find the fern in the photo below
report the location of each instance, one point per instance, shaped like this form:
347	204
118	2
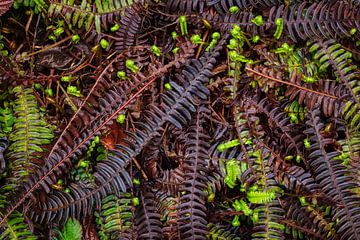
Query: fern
300	21
192	209
332	54
308	221
5	5
15	226
72	231
114	219
218	232
148	219
339	188
30	133
106	13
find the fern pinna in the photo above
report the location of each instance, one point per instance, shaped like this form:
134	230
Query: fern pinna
179	119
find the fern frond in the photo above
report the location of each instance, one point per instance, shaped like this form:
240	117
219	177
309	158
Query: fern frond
325	167
16	228
5	5
319	20
297	180
306	220
148	219
330	53
30	133
186	6
270	213
72	230
130	24
114	219
168	206
192	209
218	232
106	12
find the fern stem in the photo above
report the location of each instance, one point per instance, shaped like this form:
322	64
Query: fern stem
289	83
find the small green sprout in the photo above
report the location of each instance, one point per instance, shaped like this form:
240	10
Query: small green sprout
235	57
72	90
37	86
67	190
60	182
215	37
104	44
84	164
52	37
57	32
174	35
155	50
49	92
4	53
121	75
121	118
115	27
183	25
230	144
175	50
279	28
136	181
293	118
255	39
66	78
233	44
196	39
168	86
285	48
211	197
241	205
307	143
75	38
234	9
353	31
303	201
235	222
135	201
307	79
233	170
236	32
258	20
255	216
130	64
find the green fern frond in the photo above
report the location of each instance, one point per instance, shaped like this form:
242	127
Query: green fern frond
37	5
80	15
115	216
29	133
216	232
72	230
14	227
261	197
